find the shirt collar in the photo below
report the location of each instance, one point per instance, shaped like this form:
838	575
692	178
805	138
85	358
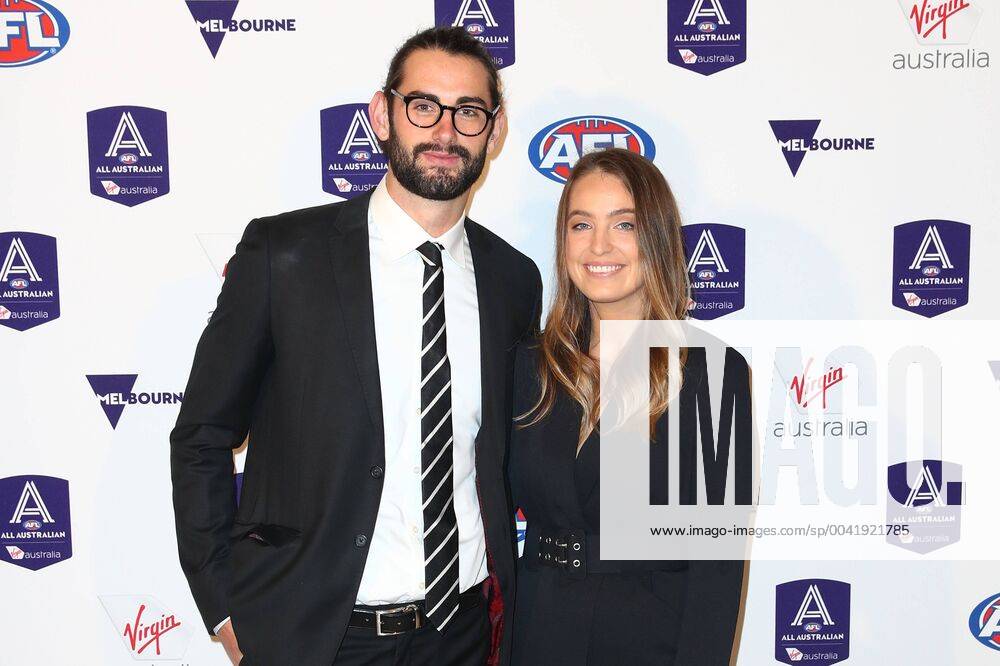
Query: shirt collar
400	234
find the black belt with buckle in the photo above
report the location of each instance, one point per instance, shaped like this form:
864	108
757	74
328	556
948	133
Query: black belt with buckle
579	553
407	617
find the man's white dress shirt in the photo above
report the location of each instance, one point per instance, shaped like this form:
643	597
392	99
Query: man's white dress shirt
394	570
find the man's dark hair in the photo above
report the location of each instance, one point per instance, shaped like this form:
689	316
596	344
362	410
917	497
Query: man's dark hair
452	40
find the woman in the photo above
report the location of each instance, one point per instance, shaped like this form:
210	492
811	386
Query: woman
619	256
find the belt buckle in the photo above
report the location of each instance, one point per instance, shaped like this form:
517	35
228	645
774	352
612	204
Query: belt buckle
565	560
391	611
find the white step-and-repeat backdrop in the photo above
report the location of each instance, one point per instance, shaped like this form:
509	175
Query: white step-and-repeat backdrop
815	146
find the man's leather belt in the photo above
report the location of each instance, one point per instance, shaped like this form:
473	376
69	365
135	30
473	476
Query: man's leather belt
578	553
406	617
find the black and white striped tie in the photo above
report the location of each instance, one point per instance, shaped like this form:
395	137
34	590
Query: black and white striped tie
437	461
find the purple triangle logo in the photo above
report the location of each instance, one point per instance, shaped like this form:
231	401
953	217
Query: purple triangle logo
794	137
113	392
212	17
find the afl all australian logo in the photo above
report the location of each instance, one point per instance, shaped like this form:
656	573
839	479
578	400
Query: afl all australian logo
556	148
930	266
29	280
30	32
128	154
34	521
707	36
489	21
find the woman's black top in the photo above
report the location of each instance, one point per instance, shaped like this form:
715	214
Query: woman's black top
571	609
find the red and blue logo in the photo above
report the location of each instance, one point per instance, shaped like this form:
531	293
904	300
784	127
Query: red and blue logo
984	622
521	525
556	148
30	31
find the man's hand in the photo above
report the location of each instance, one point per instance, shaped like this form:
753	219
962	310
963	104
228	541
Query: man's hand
228	638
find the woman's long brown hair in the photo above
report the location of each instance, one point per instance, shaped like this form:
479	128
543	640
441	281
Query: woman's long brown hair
564	359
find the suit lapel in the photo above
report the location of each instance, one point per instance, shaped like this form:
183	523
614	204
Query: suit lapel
352	275
489	298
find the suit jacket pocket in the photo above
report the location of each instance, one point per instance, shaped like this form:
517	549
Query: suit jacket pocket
266	534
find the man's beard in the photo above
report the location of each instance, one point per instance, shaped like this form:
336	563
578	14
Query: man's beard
434	183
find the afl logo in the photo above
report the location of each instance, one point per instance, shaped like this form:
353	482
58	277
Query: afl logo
521	524
984	622
31	525
931	271
475	29
30	31
128	158
556	148
706	274
19	283
707	26
361	156
812	627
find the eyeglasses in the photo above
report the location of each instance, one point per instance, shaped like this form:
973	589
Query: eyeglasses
468	119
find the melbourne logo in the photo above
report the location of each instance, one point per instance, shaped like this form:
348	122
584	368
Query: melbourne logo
930	266
984	622
555	149
942	22
215	21
716	256
798	137
812	621
115	393
147	628
706	36
926	502
128	154
29	280
34	521
489	21
353	161
30	31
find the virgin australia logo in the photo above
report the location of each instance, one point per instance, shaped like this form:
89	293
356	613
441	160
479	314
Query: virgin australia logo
937	23
930	20
146	627
806	387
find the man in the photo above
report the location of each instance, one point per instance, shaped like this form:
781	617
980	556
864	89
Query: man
367	348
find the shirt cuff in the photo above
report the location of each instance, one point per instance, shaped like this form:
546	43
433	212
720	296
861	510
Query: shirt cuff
219	626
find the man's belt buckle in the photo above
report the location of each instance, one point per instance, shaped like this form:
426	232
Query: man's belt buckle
394	611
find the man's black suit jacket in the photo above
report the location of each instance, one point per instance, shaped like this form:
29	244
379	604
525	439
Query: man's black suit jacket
289	357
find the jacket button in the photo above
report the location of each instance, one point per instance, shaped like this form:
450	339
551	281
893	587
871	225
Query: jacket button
360	540
376	472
